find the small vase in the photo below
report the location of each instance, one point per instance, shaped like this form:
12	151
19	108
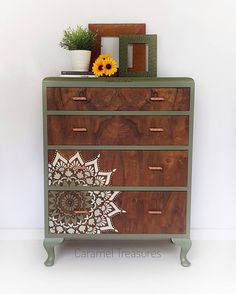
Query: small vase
80	59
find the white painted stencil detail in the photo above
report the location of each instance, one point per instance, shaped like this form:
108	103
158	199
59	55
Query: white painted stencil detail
80	212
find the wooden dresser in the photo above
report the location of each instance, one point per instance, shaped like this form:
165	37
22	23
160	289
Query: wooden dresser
117	160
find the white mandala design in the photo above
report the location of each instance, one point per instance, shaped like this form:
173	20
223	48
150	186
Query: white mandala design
80	212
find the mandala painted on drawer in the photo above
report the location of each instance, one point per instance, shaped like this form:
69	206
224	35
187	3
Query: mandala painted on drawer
80	212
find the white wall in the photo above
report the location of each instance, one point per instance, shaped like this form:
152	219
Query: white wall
196	38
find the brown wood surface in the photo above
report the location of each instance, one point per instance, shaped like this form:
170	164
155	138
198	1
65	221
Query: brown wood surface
118	130
119	99
115	30
132	167
137	220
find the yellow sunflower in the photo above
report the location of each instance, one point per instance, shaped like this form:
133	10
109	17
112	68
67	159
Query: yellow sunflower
98	67
110	66
104	56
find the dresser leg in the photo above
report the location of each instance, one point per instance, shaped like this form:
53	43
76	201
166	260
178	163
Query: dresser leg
49	244
185	245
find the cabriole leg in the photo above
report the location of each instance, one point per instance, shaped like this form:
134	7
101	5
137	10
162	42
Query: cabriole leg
185	245
49	244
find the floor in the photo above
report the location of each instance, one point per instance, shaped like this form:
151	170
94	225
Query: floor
117	267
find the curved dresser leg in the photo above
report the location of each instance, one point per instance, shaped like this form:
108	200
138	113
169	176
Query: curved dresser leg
49	244
185	245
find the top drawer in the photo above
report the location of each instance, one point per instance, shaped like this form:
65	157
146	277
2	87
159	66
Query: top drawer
177	99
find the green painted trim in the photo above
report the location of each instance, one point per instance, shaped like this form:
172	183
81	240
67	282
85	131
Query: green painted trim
117	188
190	153
118	82
118	113
116	147
117	236
45	155
151	41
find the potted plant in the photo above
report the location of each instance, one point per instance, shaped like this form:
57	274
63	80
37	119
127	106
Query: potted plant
80	41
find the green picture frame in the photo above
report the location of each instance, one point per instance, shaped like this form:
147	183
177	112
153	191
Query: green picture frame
151	41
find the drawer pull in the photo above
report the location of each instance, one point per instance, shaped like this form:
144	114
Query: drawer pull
81	98
156	130
79	130
157	99
157	168
80	211
154	212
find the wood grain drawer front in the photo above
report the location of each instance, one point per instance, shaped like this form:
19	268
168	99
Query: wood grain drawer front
152	213
118	168
118	99
118	130
90	212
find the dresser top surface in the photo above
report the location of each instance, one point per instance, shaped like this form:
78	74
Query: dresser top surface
118	82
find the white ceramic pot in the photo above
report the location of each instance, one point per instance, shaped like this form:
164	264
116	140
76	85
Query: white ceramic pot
80	59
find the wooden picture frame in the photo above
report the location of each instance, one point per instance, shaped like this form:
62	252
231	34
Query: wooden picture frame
151	41
116	30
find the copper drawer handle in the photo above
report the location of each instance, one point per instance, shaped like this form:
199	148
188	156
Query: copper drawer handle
80	98
156	130
154	212
157	99
79	130
156	168
80	211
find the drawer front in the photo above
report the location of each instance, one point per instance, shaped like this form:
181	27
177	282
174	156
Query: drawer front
152	213
118	168
76	212
118	99
118	130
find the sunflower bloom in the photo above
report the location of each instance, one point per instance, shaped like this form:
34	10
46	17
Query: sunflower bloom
110	66
104	56
98	67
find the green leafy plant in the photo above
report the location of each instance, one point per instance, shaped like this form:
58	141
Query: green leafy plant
78	39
